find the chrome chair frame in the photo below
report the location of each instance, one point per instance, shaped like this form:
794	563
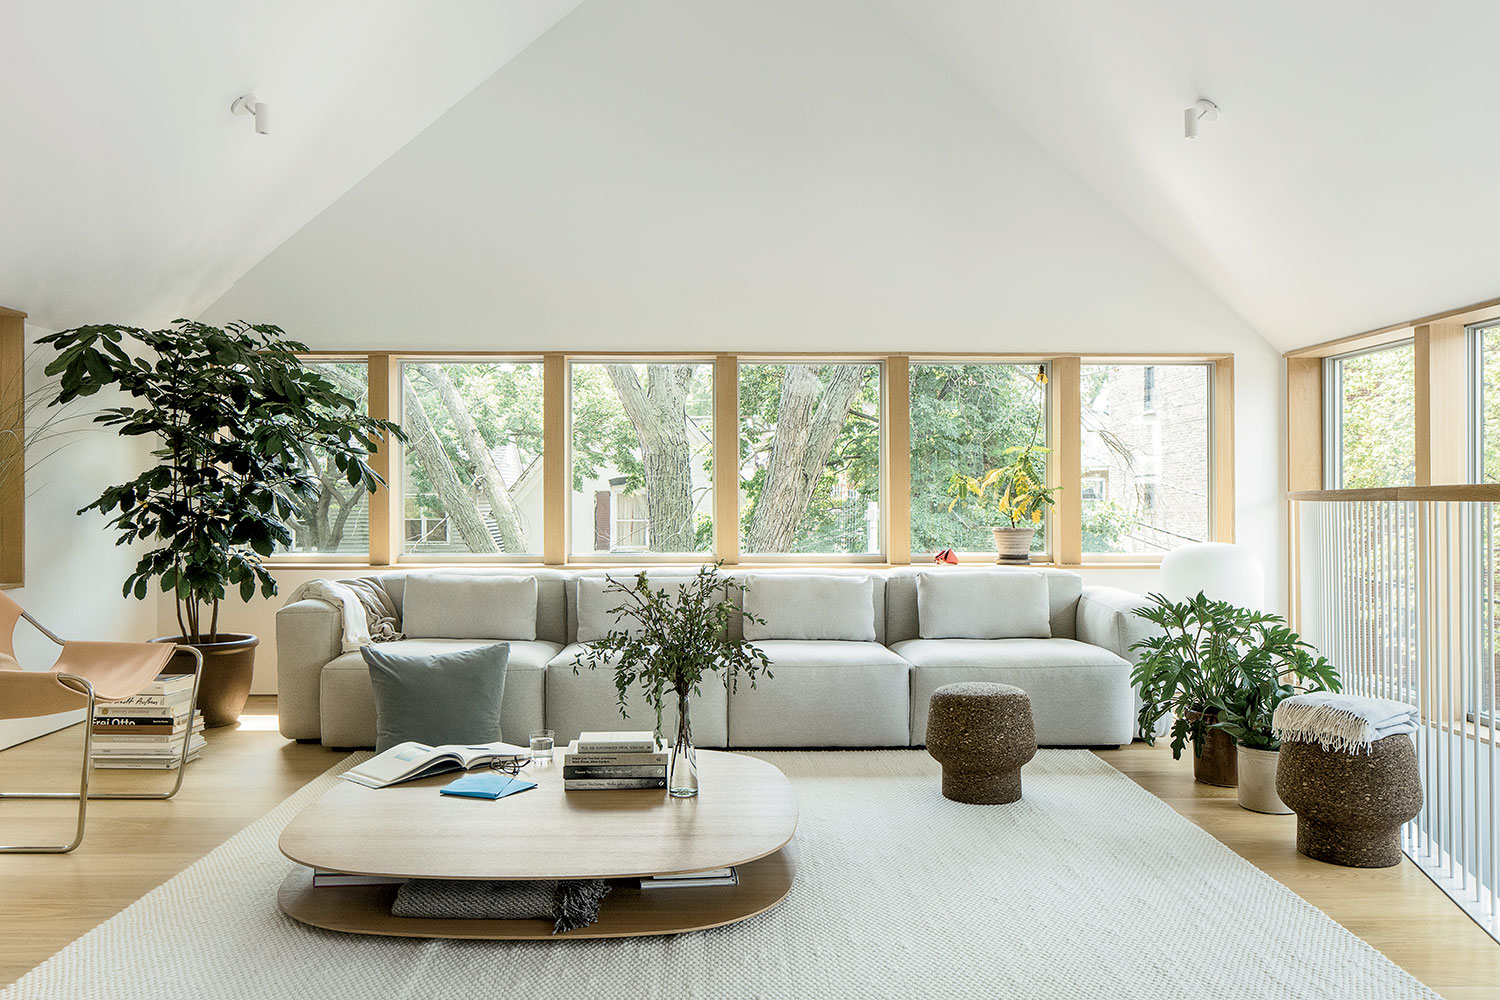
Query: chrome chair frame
85	690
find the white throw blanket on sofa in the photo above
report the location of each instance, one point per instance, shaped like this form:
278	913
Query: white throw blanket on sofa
357	606
1341	721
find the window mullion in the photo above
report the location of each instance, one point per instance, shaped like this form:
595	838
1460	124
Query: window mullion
896	462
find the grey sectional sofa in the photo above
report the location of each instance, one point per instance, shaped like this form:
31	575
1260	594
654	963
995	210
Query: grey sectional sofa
826	692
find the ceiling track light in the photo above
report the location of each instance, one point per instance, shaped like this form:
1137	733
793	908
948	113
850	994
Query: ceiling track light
252	105
1203	111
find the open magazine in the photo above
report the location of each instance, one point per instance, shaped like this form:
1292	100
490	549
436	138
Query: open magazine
410	761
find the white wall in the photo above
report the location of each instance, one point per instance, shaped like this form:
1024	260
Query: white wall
74	570
776	176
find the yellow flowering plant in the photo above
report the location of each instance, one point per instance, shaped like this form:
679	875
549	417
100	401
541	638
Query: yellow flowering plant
1017	491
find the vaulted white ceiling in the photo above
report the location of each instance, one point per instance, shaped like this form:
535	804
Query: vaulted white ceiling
129	193
1348	184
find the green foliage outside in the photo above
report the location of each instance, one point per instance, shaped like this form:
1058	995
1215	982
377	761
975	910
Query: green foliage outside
963	418
505	403
843	487
1490	403
1378	408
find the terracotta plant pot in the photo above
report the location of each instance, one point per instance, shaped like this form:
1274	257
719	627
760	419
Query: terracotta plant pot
1013	545
1218	765
1257	788
228	666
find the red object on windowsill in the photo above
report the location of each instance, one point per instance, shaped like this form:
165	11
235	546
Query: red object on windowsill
946	556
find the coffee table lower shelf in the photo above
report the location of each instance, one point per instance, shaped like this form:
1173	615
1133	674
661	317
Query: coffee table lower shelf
626	911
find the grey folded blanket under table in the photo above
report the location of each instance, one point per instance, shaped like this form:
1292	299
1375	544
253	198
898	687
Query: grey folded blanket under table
568	903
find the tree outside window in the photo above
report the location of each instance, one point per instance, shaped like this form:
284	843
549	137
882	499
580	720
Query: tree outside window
963	418
809	458
339	522
1376	419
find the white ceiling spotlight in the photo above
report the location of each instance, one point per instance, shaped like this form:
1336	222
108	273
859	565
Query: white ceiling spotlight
1203	111
252	105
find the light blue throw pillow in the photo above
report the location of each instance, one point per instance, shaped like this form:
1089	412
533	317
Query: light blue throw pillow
437	698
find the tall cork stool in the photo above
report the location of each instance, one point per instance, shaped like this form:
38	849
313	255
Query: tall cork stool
1351	806
981	733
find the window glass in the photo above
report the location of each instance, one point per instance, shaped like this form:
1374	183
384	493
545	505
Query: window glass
473	471
964	417
642	457
338	521
1374	433
1145	457
1489	404
810	458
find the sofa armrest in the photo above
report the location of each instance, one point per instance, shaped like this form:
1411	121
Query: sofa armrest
1107	619
309	634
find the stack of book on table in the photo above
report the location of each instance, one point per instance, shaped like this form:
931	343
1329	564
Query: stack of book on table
693	880
605	761
146	730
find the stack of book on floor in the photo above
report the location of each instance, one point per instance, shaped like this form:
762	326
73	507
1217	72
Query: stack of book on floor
146	730
693	880
605	761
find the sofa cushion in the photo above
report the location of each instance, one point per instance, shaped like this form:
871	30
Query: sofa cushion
810	607
437	698
347	700
1080	694
902	619
453	606
983	605
826	693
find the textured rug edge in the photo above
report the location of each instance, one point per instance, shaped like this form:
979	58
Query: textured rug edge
298	800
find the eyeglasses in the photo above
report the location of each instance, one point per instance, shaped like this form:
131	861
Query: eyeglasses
511	765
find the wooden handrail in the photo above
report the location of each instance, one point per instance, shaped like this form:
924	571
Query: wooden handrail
1473	493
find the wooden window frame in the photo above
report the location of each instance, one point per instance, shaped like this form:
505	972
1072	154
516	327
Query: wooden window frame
13	446
1064	435
1441	356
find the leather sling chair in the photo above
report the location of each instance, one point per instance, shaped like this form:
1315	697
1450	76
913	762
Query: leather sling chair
85	673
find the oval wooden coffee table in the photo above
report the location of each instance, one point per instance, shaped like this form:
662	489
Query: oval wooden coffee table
744	817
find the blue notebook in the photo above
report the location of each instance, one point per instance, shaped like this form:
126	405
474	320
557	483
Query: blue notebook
487	785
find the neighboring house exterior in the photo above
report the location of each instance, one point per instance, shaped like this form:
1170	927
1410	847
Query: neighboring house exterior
1145	448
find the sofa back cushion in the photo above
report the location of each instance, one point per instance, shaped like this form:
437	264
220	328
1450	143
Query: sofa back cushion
551	598
902	621
797	606
452	606
983	605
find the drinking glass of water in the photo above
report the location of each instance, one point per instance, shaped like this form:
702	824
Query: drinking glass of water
541	744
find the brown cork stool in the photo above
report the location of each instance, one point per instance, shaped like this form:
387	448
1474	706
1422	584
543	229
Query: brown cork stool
981	733
1351	806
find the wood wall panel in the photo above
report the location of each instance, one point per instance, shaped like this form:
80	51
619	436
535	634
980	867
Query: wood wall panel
12	448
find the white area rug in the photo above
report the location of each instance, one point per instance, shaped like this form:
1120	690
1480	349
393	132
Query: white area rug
1089	887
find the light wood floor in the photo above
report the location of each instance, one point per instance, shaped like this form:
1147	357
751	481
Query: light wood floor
131	847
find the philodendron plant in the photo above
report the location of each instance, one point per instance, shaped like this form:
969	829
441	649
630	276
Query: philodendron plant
1214	665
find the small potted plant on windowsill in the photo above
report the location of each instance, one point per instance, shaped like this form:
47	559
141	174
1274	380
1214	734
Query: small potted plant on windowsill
1015	494
1220	671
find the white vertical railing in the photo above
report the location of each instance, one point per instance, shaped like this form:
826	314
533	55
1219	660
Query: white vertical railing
1400	595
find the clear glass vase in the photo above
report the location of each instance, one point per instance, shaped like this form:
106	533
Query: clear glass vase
682	775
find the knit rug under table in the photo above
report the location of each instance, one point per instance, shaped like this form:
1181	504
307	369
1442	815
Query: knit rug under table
1088	887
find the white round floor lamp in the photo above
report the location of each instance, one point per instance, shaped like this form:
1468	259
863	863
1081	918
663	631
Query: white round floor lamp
1222	571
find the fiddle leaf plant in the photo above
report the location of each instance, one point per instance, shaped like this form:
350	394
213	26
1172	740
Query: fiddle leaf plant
1213	665
671	638
231	410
